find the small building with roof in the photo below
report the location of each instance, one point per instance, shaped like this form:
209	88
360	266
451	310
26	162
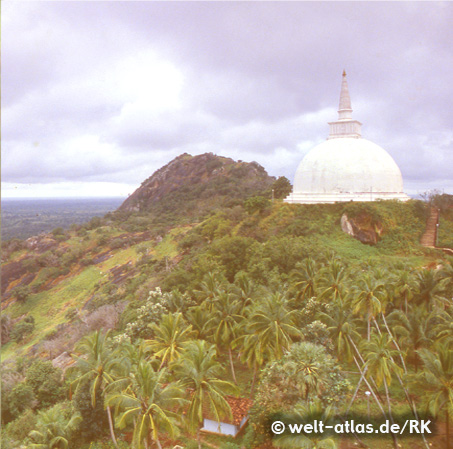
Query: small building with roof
228	426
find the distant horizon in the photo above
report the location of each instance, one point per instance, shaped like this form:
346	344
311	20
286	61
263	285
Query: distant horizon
65	198
62	198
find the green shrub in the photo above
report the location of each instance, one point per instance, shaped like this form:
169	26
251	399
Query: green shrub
58	231
177	279
117	243
19	429
20	330
256	204
45	380
21	398
94	223
22	292
233	253
31	264
191	240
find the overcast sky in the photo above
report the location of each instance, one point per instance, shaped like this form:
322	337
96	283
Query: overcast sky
96	96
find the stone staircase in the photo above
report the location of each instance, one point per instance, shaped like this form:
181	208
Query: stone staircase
429	237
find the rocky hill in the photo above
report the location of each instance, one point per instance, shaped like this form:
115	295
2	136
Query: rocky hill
194	184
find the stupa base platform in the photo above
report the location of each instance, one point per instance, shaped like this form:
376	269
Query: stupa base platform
330	198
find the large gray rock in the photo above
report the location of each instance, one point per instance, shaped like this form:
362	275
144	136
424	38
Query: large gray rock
361	229
63	361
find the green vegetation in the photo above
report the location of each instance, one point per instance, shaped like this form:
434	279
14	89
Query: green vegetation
157	318
445	235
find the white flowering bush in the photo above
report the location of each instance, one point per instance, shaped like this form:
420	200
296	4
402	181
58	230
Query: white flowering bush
155	306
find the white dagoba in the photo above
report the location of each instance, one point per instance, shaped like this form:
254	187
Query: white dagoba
346	167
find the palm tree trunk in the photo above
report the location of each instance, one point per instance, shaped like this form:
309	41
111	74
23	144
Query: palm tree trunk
363	361
447	425
356	390
198	438
112	433
371	389
411	403
361	443
232	365
412	406
162	364
395	442
394	341
255	372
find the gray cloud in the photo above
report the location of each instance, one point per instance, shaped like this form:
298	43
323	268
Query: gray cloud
110	91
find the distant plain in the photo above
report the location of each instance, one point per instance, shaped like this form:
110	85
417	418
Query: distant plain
23	218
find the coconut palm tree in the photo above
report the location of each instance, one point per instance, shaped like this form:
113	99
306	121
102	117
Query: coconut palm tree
98	362
244	289
332	280
147	401
435	381
404	285
342	326
202	322
379	356
170	336
305	278
201	375
226	316
431	286
446	272
443	329
274	325
251	353
368	296
414	330
213	283
132	353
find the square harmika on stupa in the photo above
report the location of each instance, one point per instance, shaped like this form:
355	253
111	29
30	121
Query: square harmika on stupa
346	167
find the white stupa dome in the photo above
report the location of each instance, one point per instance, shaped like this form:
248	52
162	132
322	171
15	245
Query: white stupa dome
346	167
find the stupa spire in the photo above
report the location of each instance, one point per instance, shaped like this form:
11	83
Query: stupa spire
345	126
345	109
